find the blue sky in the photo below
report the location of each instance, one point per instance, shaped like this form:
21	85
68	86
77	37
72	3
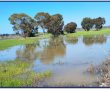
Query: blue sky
71	11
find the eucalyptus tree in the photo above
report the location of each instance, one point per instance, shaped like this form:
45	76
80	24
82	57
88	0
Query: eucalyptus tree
55	25
99	22
70	27
42	19
87	23
24	24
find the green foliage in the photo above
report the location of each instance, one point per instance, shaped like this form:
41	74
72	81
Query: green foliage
42	20
55	25
99	22
52	23
23	24
70	27
87	23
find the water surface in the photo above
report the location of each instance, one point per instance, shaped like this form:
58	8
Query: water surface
67	58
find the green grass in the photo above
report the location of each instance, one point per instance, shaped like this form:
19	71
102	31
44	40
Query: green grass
104	31
19	74
11	74
45	74
4	44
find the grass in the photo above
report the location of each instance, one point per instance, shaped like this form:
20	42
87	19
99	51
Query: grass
44	74
11	74
104	31
19	74
4	44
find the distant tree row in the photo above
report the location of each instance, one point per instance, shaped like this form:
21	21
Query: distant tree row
28	27
88	23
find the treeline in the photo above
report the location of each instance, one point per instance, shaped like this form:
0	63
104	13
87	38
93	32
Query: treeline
27	26
88	23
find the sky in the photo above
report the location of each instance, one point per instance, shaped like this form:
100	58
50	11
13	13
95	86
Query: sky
71	11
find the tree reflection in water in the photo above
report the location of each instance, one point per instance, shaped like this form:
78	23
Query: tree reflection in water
55	48
94	39
72	40
28	52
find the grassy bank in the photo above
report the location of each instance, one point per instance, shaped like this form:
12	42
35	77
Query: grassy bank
104	31
19	74
4	44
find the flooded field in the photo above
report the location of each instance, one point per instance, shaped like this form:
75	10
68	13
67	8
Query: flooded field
67	58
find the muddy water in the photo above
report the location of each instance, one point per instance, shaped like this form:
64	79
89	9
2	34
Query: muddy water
67	58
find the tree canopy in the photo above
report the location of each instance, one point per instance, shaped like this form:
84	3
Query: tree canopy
99	22
87	23
56	24
23	24
42	19
70	27
27	26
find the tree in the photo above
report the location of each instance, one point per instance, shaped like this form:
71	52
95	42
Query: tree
99	22
70	27
23	24
55	24
52	23
42	19
87	23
